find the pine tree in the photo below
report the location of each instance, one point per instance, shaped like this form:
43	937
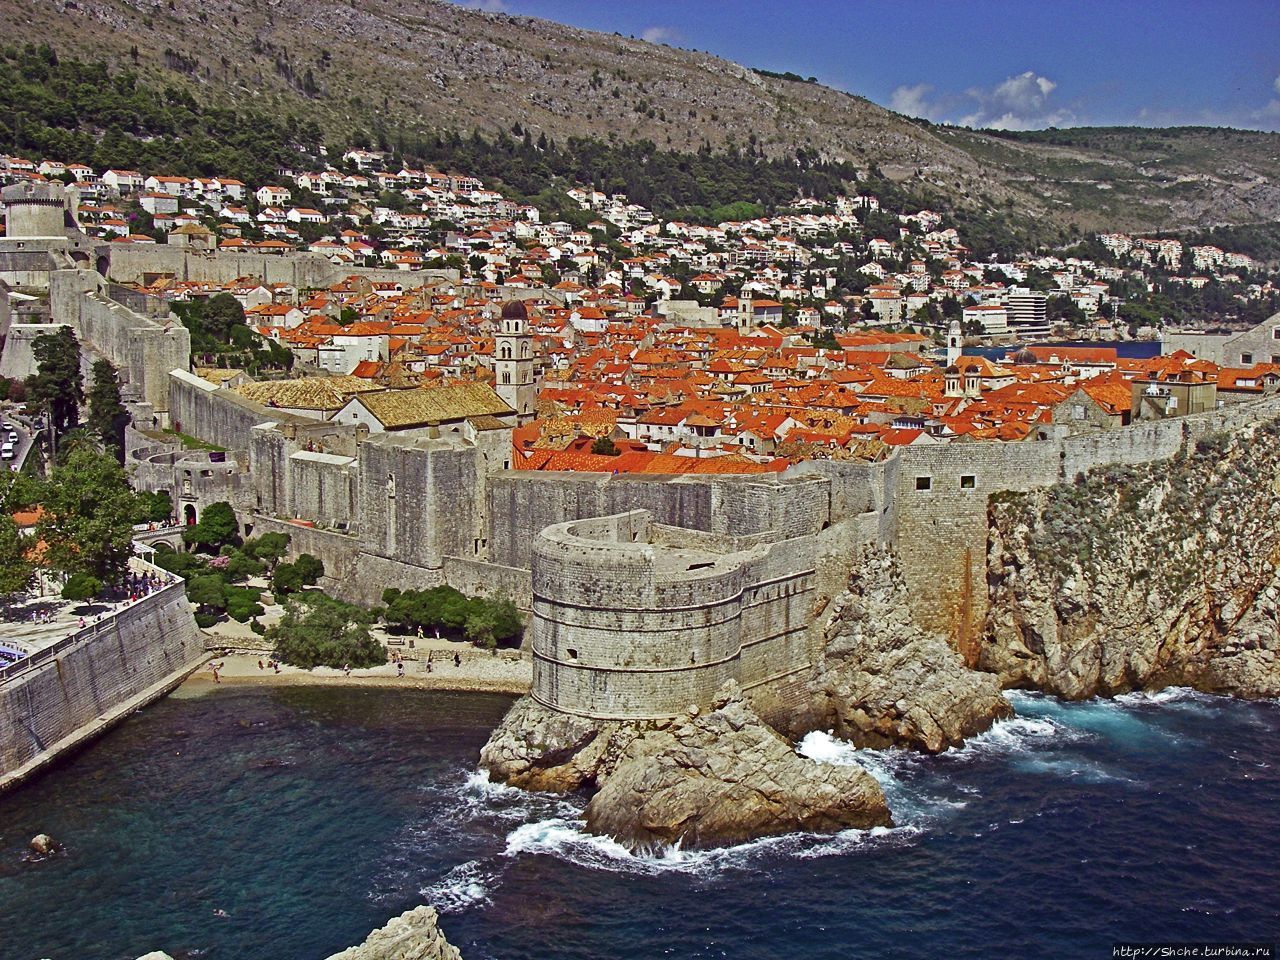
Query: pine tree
58	385
107	415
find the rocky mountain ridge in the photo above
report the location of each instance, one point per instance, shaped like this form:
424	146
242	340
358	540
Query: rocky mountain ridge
429	64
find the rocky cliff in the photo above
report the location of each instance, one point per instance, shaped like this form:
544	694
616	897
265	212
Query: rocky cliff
710	777
411	936
1142	577
883	682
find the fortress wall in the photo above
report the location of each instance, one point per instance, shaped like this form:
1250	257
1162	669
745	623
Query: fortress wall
321	490
477	578
142	348
373	574
119	665
18	360
791	508
217	416
941	532
420	499
524	502
337	551
132	263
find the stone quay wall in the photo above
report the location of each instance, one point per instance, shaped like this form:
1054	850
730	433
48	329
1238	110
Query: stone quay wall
105	671
632	620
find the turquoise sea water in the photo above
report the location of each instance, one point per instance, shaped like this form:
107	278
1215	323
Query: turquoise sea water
310	815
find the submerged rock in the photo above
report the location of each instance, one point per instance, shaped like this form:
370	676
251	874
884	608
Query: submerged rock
414	935
43	845
883	682
723	777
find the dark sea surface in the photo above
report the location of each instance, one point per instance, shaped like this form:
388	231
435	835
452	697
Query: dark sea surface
311	815
1128	349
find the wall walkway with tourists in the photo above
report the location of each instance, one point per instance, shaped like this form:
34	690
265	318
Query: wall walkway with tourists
75	688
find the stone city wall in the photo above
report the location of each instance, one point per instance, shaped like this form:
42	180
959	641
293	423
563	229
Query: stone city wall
136	263
218	416
18	361
942	494
421	500
143	348
477	578
115	667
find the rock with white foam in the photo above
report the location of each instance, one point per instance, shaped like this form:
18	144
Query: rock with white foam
724	777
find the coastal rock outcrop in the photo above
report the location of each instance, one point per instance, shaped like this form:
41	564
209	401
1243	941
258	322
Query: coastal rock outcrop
711	777
414	935
724	776
883	682
1135	578
536	748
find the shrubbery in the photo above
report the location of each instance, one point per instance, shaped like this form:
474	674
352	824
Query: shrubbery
482	620
318	631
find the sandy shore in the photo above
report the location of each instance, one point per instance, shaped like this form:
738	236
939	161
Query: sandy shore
478	673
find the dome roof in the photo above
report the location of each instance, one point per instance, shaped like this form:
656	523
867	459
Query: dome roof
515	310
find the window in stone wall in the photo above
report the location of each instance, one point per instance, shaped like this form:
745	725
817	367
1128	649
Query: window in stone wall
924	483
1246	358
968	481
573	654
1275	333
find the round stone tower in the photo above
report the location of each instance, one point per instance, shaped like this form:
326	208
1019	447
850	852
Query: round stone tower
34	210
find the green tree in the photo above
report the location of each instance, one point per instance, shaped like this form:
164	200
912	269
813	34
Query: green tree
16	569
269	548
604	447
318	631
81	586
154	506
490	621
209	592
107	417
88	515
57	386
286	579
217	526
309	568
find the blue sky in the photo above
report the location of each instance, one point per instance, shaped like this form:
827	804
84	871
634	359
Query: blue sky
996	63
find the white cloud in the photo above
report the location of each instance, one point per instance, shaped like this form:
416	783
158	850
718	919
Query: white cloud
661	34
1277	84
1019	102
910	100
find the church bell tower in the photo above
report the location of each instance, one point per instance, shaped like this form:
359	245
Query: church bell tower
516	370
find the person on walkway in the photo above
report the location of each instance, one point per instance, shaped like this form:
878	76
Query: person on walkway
399	668
215	667
457	660
346	669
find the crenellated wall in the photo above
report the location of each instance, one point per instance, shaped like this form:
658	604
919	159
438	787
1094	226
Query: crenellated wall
143	348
